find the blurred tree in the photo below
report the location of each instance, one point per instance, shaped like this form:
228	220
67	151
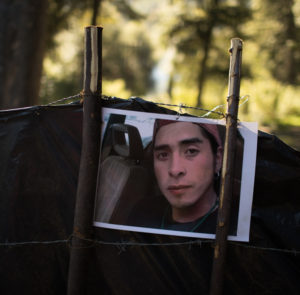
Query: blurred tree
27	30
96	11
127	60
137	36
281	41
197	36
59	13
22	44
127	52
130	62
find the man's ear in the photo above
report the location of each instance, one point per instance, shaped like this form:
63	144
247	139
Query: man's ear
218	159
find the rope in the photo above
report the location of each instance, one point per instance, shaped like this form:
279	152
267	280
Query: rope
30	243
64	99
124	244
243	100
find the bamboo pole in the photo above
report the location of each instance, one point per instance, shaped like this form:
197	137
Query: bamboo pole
83	219
220	249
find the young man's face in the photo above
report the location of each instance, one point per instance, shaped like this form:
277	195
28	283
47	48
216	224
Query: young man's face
184	164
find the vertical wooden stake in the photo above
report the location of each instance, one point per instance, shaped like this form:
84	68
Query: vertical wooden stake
217	277
83	219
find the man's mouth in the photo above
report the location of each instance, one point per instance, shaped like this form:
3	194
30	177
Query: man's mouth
178	189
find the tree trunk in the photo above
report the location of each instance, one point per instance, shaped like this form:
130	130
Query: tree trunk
96	11
213	4
22	36
291	39
203	65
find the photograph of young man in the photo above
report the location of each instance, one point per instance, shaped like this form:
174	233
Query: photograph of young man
164	178
187	159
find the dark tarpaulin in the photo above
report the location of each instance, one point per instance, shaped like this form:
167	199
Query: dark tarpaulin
39	163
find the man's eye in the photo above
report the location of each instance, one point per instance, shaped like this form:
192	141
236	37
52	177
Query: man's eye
162	156
192	152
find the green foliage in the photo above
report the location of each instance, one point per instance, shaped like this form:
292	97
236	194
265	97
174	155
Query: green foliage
57	88
127	58
277	34
271	103
59	14
187	42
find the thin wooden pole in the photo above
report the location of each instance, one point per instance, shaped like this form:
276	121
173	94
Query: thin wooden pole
217	277
83	219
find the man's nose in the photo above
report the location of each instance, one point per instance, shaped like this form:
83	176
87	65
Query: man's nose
176	167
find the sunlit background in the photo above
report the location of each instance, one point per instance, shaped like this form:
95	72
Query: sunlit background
176	51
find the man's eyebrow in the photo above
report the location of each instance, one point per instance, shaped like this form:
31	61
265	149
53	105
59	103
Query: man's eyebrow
161	147
186	141
191	140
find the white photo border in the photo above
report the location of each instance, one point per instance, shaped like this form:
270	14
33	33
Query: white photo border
248	131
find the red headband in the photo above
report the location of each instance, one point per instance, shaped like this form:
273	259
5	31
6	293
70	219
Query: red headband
210	128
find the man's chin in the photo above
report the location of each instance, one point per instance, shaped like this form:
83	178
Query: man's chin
182	205
181	201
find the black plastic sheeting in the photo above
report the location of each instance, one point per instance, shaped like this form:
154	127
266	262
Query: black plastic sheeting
39	162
